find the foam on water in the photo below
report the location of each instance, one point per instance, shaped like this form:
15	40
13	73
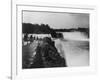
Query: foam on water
75	36
75	46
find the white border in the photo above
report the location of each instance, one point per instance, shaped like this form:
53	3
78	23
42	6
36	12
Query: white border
18	73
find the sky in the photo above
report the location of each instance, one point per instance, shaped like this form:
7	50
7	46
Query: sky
57	20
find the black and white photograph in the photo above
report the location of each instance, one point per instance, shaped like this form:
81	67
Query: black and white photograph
55	39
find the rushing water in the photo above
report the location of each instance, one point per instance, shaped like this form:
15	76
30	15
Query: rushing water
74	48
75	36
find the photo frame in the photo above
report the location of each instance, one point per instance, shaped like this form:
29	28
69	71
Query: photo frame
18	10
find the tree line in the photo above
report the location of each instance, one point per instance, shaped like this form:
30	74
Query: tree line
29	28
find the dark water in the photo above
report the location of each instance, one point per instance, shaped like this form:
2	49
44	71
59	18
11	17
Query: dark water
41	54
74	48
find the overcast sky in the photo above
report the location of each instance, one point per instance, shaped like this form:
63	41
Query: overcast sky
57	20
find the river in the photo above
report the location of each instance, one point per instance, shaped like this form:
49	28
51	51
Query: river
74	48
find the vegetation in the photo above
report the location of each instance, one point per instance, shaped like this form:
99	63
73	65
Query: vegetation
29	28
